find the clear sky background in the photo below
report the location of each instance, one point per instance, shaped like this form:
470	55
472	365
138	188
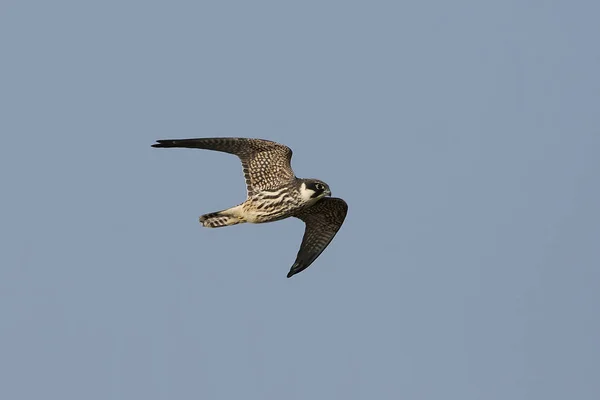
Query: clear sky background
464	135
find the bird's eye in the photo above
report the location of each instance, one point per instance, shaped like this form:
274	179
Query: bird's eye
320	186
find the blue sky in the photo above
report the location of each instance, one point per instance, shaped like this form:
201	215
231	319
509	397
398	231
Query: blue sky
463	135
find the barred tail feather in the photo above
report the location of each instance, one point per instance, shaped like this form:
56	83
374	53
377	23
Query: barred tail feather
218	219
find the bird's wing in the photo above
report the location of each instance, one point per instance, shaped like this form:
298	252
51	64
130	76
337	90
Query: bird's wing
322	220
266	164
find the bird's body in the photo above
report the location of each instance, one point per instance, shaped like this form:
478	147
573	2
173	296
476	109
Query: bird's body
265	206
274	193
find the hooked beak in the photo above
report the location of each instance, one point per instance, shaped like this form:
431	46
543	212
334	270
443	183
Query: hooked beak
328	192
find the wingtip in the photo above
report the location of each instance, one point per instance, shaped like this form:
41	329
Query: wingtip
160	143
294	270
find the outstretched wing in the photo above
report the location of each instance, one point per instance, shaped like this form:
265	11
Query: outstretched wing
322	220
266	164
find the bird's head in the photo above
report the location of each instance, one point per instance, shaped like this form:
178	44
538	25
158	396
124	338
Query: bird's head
314	189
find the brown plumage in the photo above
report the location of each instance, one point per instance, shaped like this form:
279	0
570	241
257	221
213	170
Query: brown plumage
274	193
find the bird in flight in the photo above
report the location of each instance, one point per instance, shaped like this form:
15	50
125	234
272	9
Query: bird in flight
274	193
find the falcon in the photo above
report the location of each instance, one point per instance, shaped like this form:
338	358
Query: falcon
274	193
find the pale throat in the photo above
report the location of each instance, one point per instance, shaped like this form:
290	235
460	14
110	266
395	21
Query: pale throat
305	194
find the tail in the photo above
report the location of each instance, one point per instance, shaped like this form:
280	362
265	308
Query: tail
218	219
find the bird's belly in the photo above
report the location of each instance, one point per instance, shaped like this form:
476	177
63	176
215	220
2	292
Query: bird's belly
268	210
258	216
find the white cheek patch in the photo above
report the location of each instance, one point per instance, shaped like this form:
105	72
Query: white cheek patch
306	193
